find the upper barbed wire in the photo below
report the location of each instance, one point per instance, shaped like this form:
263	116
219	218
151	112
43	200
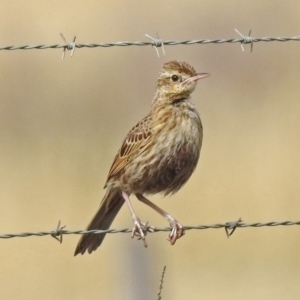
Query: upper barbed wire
244	40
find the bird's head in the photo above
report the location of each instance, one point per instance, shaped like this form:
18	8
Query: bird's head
177	79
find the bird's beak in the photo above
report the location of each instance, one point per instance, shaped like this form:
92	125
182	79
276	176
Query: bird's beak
195	78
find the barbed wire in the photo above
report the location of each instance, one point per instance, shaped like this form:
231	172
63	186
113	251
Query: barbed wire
154	42
60	231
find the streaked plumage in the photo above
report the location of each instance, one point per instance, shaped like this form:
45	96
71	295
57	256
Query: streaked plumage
158	155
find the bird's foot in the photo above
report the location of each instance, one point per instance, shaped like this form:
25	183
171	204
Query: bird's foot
177	231
140	230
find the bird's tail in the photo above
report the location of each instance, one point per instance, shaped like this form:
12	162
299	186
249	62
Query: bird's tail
110	206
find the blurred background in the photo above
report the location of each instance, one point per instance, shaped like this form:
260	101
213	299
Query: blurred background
62	122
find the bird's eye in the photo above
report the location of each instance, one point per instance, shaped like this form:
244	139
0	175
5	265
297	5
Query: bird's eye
174	78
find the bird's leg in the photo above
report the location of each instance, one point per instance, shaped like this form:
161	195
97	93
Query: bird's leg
177	230
139	229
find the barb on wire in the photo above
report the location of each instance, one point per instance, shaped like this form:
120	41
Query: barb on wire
58	233
61	231
157	43
232	226
246	40
72	46
68	46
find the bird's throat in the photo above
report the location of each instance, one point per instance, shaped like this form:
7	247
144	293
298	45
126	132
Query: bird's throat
178	100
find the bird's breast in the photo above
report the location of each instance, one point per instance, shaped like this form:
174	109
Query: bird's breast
171	157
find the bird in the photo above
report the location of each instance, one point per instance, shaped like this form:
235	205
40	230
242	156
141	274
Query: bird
158	155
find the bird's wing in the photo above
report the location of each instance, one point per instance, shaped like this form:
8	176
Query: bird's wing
134	144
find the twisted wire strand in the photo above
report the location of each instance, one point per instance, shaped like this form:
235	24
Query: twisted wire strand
245	40
60	232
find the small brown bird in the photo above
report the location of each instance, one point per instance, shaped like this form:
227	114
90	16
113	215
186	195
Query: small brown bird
158	155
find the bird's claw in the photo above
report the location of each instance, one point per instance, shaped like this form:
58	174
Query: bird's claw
140	230
177	231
